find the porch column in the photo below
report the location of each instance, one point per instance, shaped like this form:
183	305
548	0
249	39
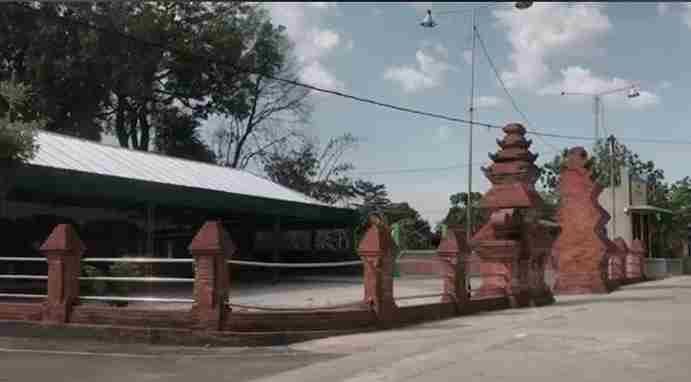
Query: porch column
276	250
313	242
150	228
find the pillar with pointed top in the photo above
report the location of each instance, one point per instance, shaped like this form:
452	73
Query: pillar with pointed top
211	249
63	250
451	252
376	251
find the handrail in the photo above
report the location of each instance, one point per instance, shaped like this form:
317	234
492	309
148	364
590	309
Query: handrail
20	295
137	299
24	277
139	279
134	260
420	296
296	265
37	259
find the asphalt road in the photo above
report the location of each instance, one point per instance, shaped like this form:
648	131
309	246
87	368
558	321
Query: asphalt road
639	333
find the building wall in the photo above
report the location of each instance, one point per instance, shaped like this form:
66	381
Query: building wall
623	194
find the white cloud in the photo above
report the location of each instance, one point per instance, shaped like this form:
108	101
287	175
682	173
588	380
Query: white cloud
443	133
467	56
313	42
488	102
662	8
686	16
665	85
326	39
428	72
316	74
545	32
580	80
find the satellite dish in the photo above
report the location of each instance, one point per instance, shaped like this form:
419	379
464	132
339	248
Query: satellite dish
428	22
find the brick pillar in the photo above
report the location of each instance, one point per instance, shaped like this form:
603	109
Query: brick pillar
619	264
211	248
635	262
451	252
63	249
375	249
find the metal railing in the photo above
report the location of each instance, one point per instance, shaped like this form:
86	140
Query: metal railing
660	268
23	277
138	279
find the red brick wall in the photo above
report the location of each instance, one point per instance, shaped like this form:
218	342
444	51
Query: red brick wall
426	312
130	317
21	311
427	265
282	321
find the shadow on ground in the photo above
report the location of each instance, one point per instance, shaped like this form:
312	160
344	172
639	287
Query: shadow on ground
588	301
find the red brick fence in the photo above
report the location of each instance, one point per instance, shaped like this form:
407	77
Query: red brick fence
212	311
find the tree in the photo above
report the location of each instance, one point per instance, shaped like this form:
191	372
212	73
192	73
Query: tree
457	214
177	136
317	172
18	129
269	104
416	232
93	80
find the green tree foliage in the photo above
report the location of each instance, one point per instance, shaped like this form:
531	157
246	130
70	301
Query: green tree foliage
457	214
18	125
89	81
178	136
671	230
314	171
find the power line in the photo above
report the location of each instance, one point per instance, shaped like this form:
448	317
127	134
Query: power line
256	72
412	170
371	101
506	90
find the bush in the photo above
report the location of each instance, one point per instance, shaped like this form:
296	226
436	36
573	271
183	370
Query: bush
120	288
18	127
94	288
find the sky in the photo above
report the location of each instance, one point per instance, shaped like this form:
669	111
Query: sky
379	50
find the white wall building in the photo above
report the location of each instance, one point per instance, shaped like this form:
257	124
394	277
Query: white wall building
632	217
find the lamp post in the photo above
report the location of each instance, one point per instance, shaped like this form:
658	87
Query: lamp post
429	22
598	105
598	109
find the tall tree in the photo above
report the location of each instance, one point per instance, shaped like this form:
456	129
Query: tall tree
457	214
314	171
177	135
138	60
18	128
269	104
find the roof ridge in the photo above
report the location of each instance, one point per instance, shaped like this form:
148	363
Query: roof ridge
172	158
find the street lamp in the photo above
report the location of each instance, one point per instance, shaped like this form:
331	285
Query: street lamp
428	22
598	109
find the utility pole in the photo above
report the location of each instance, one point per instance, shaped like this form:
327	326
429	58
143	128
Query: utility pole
612	159
428	22
469	206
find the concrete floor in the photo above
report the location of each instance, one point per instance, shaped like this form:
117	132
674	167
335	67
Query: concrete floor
639	333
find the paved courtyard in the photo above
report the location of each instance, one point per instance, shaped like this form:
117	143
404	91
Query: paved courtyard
639	333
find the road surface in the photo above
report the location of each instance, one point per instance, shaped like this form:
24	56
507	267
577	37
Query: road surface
639	333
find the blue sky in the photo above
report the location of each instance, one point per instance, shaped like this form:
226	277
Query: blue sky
380	51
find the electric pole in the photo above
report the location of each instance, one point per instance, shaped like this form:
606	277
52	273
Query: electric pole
612	159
